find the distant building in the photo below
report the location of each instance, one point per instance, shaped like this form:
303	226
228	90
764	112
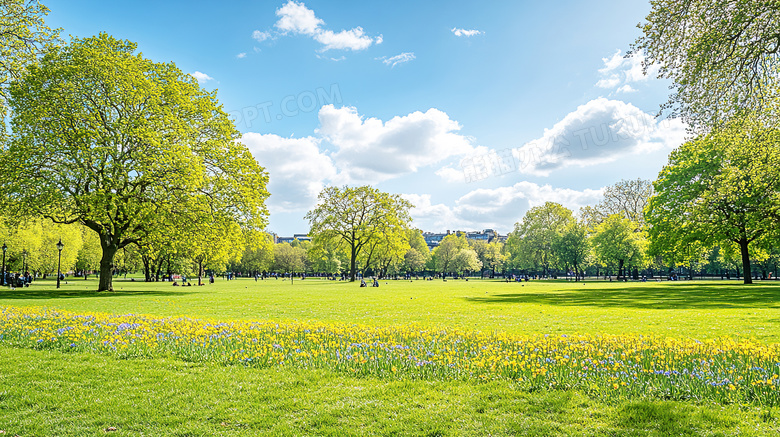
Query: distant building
299	237
433	239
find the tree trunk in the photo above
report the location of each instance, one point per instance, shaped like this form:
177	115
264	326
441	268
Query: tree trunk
200	273
620	269
109	250
352	262
743	248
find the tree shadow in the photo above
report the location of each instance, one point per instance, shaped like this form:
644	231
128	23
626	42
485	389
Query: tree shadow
32	293
666	296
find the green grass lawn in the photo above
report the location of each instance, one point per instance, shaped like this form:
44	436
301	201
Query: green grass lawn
54	393
700	309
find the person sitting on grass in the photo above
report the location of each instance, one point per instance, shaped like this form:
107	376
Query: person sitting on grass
175	284
363	283
376	283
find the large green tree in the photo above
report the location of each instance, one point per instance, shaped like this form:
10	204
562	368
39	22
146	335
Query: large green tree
354	217
618	242
534	237
720	55
107	138
23	34
719	188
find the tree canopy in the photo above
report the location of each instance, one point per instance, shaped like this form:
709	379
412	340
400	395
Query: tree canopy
719	188
109	139
23	34
356	217
720	54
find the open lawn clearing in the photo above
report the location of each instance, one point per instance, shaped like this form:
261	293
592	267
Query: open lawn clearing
698	309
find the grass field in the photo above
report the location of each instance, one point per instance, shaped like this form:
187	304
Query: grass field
49	392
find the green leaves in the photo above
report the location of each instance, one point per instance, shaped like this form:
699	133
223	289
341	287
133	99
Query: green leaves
358	219
723	55
127	147
718	189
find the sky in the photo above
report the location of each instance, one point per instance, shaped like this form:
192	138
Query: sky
473	111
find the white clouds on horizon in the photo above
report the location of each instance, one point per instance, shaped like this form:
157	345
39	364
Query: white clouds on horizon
297	169
201	77
497	208
365	150
598	132
296	18
466	32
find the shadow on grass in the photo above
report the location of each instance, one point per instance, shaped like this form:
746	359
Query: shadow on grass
53	293
672	296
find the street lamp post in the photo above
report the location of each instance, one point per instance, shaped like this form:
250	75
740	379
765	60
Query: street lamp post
24	261
59	261
5	249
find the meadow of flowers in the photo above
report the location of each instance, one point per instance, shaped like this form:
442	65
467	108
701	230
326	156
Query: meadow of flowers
606	366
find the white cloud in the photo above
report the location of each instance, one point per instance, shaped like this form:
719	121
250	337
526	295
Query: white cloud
619	70
466	33
261	36
202	77
296	18
241	55
626	89
370	150
597	132
451	175
496	208
397	59
297	169
352	39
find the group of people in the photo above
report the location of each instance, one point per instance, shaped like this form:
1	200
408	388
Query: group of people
373	284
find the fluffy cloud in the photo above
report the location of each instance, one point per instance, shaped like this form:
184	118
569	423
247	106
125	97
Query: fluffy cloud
362	150
353	39
466	33
296	18
202	77
370	150
397	59
494	208
296	167
241	55
597	132
619	70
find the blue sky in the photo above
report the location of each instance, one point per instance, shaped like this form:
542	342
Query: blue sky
473	111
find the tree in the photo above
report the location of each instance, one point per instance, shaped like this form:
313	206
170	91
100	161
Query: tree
489	254
720	55
618	240
573	247
465	261
719	188
418	254
536	234
289	259
356	217
628	198
444	254
118	143
23	34
258	253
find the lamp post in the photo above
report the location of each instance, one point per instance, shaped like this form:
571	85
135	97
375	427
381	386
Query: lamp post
24	262
5	249
59	261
